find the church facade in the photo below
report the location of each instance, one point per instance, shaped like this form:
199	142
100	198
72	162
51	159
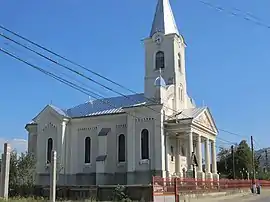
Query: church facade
129	139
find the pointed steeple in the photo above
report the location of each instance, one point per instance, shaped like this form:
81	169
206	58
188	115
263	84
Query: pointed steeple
164	21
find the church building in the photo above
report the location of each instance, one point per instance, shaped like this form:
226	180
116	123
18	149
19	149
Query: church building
129	139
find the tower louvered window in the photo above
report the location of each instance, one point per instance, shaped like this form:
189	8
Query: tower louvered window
160	60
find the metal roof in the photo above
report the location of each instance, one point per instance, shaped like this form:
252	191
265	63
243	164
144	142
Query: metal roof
164	21
112	105
58	110
191	113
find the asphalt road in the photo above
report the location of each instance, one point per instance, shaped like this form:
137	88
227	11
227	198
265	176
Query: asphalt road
265	197
258	199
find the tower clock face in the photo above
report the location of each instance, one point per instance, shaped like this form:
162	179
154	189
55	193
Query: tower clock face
158	39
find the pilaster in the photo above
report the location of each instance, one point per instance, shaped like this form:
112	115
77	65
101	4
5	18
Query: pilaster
63	146
177	157
131	160
101	160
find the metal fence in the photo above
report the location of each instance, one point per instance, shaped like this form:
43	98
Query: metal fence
171	188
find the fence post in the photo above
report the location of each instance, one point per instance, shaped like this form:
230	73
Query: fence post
5	171
176	190
53	177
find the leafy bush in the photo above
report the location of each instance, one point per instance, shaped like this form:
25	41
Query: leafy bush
119	194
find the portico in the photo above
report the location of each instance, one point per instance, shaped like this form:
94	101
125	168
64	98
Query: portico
193	131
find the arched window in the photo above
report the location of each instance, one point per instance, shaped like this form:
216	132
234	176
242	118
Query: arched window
144	144
49	150
121	148
179	62
87	150
181	96
160	61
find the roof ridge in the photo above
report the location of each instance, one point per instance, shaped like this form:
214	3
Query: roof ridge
105	98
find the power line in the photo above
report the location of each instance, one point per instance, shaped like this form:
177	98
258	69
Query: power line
77	72
70	84
248	17
59	72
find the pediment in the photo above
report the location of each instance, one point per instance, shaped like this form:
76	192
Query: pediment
49	111
206	120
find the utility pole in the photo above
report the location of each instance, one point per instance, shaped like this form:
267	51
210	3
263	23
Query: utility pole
266	160
53	176
233	163
253	164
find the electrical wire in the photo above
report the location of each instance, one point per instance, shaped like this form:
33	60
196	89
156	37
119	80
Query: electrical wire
74	71
248	16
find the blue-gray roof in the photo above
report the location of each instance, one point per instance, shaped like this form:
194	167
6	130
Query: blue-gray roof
191	113
104	106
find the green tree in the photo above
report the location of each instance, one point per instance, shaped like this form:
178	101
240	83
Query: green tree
243	159
21	174
222	165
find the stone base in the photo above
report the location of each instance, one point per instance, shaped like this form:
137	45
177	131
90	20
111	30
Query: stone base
190	174
215	177
88	179
208	176
200	175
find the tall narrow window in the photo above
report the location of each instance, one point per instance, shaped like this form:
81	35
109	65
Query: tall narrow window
144	144
49	150
179	62
160	61
87	150
181	96
121	148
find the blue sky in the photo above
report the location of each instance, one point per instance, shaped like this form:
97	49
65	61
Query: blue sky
227	58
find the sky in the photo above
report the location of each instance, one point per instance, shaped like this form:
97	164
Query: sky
227	58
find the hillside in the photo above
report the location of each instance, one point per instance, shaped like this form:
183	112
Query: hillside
262	153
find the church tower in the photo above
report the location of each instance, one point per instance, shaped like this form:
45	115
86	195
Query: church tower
165	52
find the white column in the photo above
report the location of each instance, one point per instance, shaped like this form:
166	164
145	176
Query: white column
167	146
177	156
190	149
63	145
207	156
214	157
199	153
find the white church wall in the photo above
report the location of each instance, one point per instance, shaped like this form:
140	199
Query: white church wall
121	129
144	165
82	134
49	126
180	73
159	141
150	120
32	139
82	128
